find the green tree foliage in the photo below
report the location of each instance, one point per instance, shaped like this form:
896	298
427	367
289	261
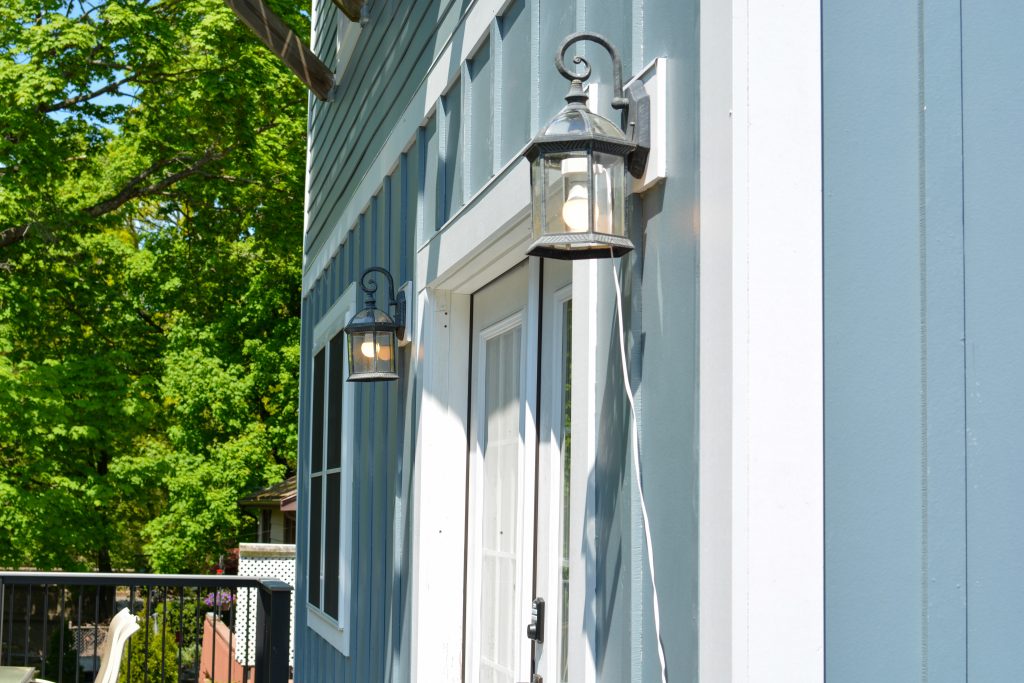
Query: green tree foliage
166	644
151	170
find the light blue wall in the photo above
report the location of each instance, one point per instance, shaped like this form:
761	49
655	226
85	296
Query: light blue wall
922	206
993	174
381	543
444	164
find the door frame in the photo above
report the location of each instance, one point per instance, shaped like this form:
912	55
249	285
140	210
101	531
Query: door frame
485	239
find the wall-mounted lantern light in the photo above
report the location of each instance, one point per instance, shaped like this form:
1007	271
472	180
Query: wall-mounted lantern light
578	166
373	334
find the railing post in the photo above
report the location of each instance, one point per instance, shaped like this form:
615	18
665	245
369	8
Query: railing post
273	631
3	598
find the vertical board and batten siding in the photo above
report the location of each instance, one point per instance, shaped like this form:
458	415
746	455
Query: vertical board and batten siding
923	286
993	175
379	615
395	51
664	355
494	102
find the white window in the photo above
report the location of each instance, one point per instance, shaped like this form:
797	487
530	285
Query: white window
330	479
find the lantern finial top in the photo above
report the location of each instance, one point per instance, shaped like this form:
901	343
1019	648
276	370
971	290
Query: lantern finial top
577	95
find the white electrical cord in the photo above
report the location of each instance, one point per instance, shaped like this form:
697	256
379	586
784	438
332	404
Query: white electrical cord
636	473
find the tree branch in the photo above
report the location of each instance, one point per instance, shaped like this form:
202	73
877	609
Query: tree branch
148	319
133	189
15	234
85	97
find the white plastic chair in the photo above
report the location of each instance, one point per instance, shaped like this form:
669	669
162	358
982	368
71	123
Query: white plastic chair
122	626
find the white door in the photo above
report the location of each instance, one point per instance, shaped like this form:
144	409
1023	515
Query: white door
520	516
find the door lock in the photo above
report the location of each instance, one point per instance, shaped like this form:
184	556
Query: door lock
535	629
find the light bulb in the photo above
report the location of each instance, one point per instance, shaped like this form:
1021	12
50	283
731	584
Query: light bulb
576	209
384	352
367	347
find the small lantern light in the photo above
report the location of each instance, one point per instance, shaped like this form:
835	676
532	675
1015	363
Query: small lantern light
373	334
578	164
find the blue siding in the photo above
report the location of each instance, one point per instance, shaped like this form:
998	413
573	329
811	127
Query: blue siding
379	601
875	419
993	205
425	186
922	364
665	300
394	53
513	109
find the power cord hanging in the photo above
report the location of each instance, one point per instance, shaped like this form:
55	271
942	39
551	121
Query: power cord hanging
636	472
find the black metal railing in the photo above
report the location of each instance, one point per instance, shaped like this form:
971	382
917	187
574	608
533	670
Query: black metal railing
55	623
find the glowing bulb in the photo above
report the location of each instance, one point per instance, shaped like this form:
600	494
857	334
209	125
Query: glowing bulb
384	352
367	347
576	209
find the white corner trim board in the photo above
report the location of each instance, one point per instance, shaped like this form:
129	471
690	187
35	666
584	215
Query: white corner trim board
761	484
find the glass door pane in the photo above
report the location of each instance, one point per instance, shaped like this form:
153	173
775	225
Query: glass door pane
500	505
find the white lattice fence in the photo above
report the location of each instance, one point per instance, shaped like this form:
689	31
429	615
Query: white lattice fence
261	560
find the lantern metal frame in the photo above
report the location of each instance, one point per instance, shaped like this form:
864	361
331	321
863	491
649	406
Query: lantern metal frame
633	147
368	319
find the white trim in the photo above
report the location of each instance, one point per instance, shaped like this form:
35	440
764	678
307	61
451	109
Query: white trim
440	487
486	238
761	494
582	553
345	40
654	76
585	276
336	317
314	14
337	633
478	247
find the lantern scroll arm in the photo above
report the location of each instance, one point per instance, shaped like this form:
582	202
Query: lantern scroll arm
618	101
369	288
634	102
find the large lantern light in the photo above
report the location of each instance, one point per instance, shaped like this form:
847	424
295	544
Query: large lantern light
373	334
578	166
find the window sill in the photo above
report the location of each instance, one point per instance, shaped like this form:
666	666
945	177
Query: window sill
329	630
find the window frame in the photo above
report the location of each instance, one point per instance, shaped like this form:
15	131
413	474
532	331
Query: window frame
334	631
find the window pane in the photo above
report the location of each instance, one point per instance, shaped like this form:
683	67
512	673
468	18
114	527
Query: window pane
500	493
316	449
332	527
315	527
337	347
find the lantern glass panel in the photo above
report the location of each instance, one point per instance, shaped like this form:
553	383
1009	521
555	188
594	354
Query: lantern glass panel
577	120
561	194
360	353
385	351
539	188
574	215
609	194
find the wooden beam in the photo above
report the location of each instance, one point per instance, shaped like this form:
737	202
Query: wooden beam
284	43
350	8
